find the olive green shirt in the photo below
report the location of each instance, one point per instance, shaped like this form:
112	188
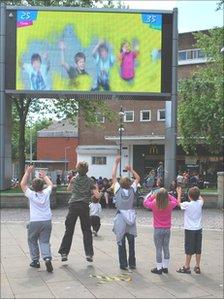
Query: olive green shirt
81	189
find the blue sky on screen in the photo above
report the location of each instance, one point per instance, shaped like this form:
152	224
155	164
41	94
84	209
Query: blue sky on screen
192	15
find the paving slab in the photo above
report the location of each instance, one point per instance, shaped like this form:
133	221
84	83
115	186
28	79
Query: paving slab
73	278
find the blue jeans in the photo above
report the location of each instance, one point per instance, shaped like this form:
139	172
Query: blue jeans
123	254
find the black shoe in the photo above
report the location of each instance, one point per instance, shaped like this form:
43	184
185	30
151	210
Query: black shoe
132	267
156	271
35	264
64	257
165	270
48	265
123	268
89	258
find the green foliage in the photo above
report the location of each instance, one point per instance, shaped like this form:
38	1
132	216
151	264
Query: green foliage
220	5
81	3
200	113
32	128
31	134
88	108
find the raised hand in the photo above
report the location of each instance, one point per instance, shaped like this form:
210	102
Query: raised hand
118	159
128	168
29	169
42	174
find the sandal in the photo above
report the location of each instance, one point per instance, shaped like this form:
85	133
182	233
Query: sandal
197	270
184	270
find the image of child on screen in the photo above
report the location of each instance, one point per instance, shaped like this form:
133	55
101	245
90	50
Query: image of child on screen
37	71
127	58
104	60
79	64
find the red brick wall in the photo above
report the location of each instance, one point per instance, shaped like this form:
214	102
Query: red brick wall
53	148
95	136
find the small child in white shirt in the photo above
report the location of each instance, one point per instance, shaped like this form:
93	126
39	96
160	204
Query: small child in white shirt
95	210
193	228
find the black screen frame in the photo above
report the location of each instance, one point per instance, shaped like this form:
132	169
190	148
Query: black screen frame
166	59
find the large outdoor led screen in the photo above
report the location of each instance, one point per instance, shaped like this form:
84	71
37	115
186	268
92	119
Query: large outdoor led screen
97	51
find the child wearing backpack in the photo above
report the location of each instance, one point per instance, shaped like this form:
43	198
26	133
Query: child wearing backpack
125	218
161	205
39	228
193	228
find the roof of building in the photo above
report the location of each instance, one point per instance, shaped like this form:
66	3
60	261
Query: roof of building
63	128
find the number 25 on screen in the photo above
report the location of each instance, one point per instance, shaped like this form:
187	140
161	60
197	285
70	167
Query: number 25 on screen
25	15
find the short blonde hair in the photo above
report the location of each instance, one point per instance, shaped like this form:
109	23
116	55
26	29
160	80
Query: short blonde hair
82	168
125	183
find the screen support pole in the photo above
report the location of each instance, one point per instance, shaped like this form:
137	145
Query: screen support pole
5	111
171	113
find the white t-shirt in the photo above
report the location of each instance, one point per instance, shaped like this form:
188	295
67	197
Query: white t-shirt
95	209
39	204
117	186
180	179
192	214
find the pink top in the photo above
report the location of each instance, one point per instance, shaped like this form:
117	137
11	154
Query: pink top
161	218
128	65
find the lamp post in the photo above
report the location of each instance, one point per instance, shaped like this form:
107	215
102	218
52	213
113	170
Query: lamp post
67	147
121	130
31	146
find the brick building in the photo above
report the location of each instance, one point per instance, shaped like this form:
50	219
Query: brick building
144	130
56	147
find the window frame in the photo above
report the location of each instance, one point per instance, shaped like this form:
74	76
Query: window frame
95	157
158	114
141	116
133	118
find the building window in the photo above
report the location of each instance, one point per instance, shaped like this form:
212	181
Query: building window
161	115
100	118
99	160
182	55
191	56
145	115
128	116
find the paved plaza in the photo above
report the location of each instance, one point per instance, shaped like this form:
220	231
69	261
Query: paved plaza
76	278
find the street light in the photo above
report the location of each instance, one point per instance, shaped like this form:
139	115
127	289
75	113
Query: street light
67	147
31	146
121	130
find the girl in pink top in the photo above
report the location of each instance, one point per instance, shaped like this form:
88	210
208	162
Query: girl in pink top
127	59
161	205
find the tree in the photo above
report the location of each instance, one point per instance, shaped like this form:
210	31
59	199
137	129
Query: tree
220	4
23	106
200	113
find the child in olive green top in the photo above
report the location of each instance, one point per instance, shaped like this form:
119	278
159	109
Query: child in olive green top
82	188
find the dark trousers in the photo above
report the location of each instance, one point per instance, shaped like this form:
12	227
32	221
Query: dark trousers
81	210
123	254
95	222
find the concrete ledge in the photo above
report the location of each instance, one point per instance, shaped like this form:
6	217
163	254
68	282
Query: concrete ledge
60	199
18	200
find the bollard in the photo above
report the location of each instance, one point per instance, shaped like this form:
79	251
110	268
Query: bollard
220	204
